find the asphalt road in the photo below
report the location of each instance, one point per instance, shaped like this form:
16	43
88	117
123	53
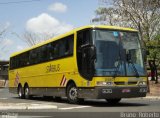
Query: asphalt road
38	107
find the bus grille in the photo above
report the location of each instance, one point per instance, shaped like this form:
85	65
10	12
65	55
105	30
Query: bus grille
125	83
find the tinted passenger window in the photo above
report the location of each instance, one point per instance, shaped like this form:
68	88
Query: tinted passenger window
54	50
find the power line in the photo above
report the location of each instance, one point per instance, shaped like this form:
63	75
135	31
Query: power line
18	2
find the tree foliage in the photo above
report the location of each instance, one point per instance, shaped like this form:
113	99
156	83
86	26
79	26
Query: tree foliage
154	49
33	38
3	32
143	15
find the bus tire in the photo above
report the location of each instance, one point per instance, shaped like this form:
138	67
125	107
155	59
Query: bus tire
20	92
26	92
72	93
113	101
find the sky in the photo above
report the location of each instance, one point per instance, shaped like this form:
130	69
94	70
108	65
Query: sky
41	16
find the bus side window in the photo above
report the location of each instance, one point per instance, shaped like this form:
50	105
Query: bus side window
56	50
50	53
61	48
12	63
66	43
66	46
44	53
83	38
69	45
33	57
24	59
17	61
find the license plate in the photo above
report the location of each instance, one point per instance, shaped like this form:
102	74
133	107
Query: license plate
126	90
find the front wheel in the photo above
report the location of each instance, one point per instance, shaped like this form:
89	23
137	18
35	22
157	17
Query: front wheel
113	101
72	94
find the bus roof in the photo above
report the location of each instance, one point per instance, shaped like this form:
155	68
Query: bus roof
71	32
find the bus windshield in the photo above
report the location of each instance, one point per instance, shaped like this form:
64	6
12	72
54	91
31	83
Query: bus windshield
118	53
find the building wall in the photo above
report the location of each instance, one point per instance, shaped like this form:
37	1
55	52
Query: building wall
3	70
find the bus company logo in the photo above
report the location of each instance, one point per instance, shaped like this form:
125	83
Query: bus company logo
53	68
63	81
16	81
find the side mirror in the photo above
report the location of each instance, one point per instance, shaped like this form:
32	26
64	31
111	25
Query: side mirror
93	52
91	61
88	61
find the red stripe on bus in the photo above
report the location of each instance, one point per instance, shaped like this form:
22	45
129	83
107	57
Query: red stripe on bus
62	81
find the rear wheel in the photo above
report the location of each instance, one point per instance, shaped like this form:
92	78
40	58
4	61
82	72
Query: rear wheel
26	92
72	93
20	92
113	101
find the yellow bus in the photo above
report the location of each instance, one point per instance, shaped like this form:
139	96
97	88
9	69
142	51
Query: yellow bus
95	62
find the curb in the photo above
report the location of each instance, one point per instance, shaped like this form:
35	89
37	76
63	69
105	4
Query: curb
152	97
12	106
2	86
4	83
148	98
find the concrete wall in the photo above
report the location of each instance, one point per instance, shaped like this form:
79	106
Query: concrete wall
2	83
3	72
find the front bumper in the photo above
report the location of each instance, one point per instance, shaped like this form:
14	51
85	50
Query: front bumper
113	92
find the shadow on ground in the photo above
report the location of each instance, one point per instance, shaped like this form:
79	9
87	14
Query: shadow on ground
88	102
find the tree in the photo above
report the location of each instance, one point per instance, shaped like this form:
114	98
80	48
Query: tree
31	38
154	49
143	15
3	32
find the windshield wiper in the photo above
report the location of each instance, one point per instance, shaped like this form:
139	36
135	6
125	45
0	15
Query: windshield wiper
117	68
134	68
129	60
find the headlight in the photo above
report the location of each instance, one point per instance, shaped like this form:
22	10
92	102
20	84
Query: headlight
142	83
101	83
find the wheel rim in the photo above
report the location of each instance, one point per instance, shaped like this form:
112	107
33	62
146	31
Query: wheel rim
20	92
27	92
73	93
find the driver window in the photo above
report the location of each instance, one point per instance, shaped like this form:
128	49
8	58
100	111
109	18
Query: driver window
83	38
